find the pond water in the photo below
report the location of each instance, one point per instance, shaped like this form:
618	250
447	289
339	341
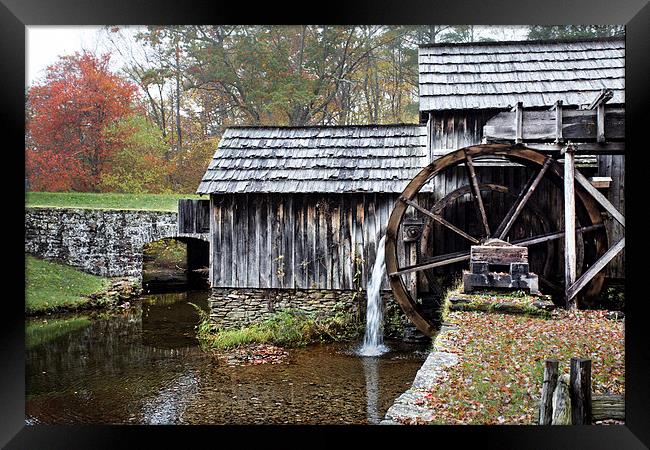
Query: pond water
144	366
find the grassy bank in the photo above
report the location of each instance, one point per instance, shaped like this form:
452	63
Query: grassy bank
155	202
499	377
284	328
52	287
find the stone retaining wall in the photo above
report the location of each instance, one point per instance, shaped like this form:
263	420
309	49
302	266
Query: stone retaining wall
108	243
235	307
410	407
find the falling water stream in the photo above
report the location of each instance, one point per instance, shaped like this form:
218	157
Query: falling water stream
373	341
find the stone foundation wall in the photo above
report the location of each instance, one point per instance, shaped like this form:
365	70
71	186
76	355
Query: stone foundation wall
108	243
236	307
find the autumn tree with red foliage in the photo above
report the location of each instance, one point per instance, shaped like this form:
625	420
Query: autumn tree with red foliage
67	115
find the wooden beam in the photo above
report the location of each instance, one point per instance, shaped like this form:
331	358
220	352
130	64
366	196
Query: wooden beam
569	224
587	148
440	220
595	268
578	125
580	389
554	235
607	407
603	97
477	193
600	198
523	197
430	265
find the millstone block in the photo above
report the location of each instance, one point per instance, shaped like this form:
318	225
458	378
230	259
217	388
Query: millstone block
486	268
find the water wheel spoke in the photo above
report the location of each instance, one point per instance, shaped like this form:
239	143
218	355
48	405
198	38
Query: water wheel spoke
438	218
476	193
552	236
523	197
438	261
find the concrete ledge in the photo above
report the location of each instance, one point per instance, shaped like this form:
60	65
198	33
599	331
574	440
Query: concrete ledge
410	406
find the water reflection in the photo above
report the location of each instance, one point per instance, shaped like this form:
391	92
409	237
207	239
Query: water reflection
143	365
371	372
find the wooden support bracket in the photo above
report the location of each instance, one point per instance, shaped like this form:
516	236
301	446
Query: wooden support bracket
594	269
599	105
600	198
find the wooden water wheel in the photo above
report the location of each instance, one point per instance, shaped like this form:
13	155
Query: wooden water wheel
518	215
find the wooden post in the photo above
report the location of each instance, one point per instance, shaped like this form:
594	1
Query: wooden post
519	120
430	137
559	137
569	224
548	387
580	380
600	122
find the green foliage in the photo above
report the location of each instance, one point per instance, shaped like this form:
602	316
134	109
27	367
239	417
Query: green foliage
51	286
394	319
167	253
612	297
285	328
154	202
574	31
189	165
139	164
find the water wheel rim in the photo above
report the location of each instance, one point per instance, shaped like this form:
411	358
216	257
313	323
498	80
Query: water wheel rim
517	153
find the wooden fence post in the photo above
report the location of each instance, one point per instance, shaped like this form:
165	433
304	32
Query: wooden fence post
580	390
548	387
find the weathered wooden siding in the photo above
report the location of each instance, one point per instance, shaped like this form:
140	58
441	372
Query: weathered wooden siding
298	241
193	216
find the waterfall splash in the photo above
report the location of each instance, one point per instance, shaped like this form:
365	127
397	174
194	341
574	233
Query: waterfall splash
373	341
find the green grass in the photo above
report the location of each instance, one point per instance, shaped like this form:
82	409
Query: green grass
154	202
52	286
39	332
284	328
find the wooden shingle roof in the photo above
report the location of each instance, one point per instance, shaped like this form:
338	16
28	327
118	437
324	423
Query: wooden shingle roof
377	158
499	74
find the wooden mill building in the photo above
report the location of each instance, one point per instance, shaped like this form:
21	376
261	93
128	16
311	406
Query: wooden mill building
297	213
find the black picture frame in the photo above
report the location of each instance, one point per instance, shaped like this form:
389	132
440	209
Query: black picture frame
15	15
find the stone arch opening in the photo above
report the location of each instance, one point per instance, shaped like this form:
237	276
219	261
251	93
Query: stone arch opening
175	263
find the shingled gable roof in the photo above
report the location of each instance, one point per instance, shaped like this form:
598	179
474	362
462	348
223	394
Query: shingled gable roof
327	159
499	74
